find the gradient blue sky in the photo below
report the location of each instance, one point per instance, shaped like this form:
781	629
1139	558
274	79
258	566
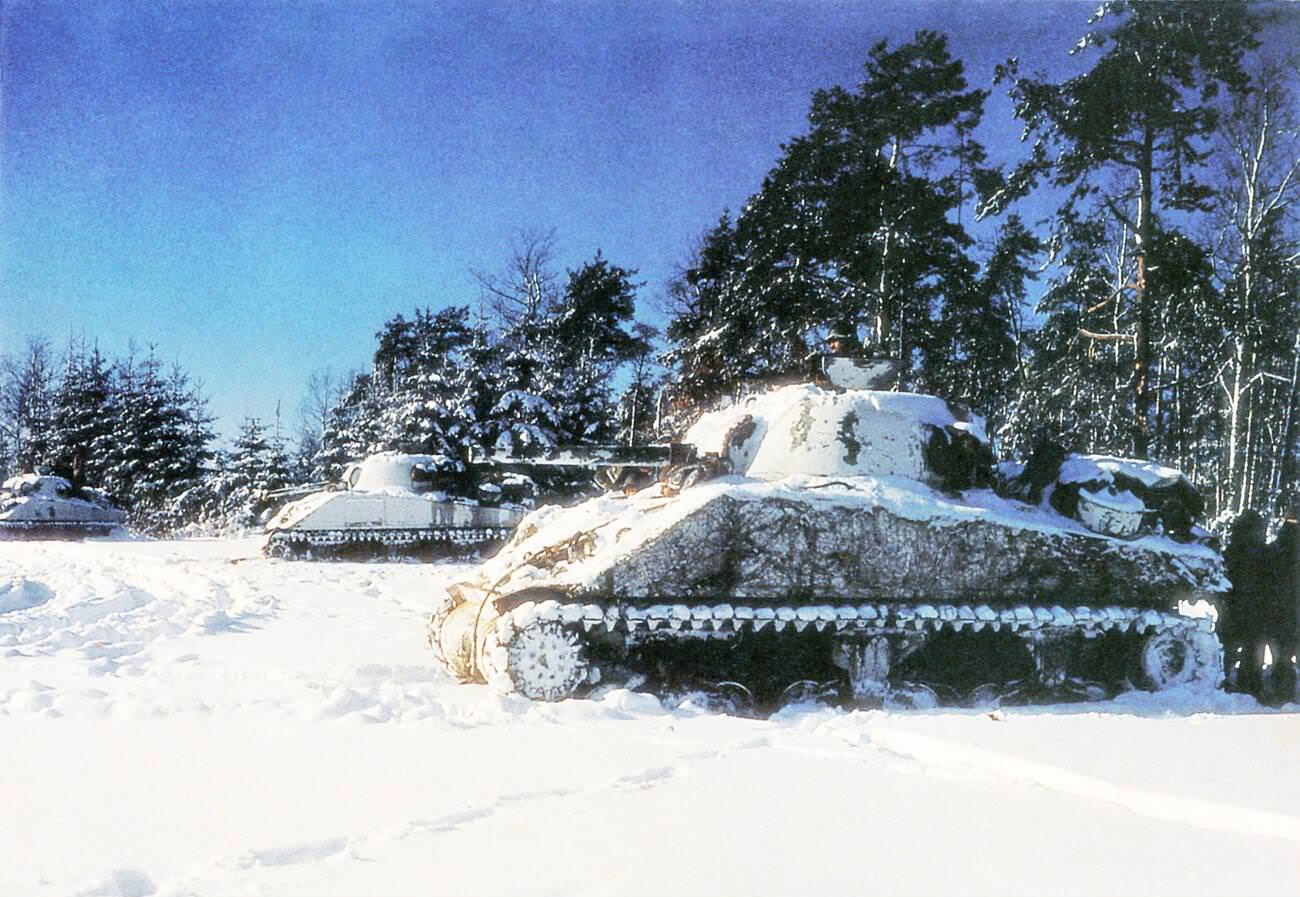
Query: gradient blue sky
256	187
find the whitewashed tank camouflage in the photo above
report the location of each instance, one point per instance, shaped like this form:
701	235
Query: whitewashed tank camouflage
842	557
35	506
387	508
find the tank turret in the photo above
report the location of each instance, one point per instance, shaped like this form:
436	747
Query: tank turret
855	548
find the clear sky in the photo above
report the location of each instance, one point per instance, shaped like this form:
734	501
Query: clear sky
256	187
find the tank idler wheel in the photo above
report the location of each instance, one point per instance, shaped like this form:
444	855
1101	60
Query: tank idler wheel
546	662
1171	659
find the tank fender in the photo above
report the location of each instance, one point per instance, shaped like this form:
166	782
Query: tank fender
506	603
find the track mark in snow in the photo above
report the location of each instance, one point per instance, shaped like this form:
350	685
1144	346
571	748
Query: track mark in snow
936	754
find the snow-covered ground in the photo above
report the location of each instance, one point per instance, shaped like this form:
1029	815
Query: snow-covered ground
188	718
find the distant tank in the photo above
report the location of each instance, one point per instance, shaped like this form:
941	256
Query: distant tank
852	547
35	506
388	505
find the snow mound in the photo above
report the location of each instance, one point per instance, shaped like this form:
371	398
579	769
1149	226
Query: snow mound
21	593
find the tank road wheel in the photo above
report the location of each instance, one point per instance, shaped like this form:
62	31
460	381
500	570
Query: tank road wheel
808	691
911	696
545	662
733	698
1171	658
986	696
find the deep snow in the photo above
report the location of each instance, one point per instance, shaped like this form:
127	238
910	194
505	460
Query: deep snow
189	718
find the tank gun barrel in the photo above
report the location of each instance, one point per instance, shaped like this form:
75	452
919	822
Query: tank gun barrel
302	489
649	457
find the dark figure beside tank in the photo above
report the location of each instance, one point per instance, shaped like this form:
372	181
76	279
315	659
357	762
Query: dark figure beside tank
1261	612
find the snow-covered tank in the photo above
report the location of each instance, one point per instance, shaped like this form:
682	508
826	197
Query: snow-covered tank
388	505
35	506
854	548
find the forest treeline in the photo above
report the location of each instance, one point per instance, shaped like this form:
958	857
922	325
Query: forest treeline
1129	283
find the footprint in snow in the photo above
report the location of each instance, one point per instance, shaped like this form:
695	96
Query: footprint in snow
293	855
645	779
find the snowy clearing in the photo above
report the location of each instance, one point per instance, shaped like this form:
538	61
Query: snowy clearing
189	718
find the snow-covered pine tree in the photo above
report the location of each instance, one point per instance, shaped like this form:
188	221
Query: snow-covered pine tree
82	416
253	467
351	429
422	410
522	418
26	403
978	354
857	224
159	441
421	395
709	325
589	330
7	466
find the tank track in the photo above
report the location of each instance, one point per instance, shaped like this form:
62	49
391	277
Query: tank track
54	529
381	543
548	650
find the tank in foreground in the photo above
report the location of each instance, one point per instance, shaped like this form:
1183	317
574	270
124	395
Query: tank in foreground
854	550
389	506
36	506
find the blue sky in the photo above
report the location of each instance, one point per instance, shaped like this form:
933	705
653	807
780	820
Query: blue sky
256	187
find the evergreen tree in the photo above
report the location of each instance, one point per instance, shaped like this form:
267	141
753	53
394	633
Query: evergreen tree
858	223
979	355
1142	111
422	411
708	328
81	418
159	441
26	410
589	332
351	429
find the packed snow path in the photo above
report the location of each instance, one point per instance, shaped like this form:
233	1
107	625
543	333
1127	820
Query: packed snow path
188	718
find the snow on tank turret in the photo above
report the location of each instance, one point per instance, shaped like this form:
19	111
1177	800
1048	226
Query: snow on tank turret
35	506
388	505
854	547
